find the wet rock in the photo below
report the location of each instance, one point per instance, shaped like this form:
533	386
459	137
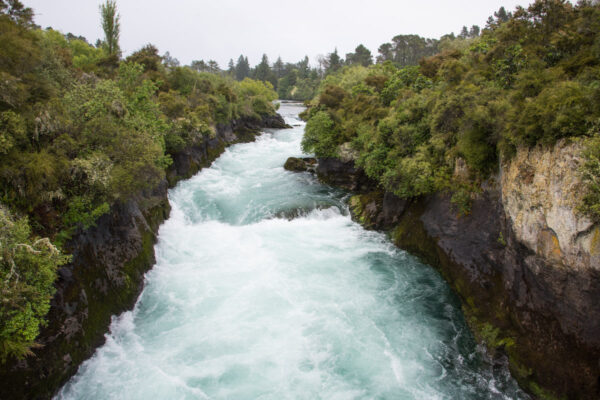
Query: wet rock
377	210
274	121
299	212
296	164
343	174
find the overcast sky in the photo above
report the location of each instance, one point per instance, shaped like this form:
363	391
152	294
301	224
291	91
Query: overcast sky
224	29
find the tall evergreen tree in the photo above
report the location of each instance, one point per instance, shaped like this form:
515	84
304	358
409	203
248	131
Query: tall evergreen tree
501	15
242	68
231	67
303	68
474	31
263	71
333	62
278	68
111	27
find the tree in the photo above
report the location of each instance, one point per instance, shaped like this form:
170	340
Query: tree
333	62
303	67
263	71
169	61
501	15
242	68
361	56
16	11
213	67
231	67
111	27
199	65
385	53
148	57
278	68
474	31
409	49
464	33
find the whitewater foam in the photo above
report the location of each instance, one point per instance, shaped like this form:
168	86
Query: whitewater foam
242	304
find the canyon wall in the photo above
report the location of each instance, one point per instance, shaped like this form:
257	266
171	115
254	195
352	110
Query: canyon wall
524	262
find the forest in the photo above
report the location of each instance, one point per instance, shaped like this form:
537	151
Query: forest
530	77
82	128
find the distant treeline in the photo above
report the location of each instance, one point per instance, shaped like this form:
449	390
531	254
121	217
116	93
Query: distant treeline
300	81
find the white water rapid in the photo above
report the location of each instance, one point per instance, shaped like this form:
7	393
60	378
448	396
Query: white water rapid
246	302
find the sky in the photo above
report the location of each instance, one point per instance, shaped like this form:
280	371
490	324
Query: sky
224	29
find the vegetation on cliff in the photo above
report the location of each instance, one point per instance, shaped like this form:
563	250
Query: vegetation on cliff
532	77
81	129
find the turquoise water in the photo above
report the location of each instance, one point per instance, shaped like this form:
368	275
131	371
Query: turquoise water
247	302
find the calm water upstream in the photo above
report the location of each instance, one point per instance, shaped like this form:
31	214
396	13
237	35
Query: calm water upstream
244	303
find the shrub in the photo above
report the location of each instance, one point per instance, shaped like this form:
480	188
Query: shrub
321	136
27	273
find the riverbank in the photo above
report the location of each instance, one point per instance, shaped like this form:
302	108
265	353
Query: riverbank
106	274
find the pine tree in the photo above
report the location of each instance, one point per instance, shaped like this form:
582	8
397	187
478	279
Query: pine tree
242	68
231	67
474	31
334	62
501	15
278	68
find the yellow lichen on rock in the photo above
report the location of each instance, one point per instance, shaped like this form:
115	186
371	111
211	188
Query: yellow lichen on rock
541	189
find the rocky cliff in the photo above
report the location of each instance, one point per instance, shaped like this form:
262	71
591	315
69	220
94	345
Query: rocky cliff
106	274
524	263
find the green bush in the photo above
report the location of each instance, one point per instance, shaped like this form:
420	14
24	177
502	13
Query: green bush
320	136
27	273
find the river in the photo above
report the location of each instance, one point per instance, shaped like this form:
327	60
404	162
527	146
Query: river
264	288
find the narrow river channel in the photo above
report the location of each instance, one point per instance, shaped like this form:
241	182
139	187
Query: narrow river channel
264	288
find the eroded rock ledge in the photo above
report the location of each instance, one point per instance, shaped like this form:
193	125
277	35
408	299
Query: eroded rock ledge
106	275
524	263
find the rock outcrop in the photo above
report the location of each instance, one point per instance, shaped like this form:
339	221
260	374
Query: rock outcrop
106	274
296	164
523	261
540	193
343	174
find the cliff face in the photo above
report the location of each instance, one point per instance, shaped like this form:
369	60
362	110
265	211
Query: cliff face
107	273
523	262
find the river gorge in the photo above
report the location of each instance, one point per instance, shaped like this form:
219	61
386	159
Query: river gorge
264	288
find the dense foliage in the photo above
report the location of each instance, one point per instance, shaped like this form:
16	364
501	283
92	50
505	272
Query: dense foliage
27	272
532	77
80	130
